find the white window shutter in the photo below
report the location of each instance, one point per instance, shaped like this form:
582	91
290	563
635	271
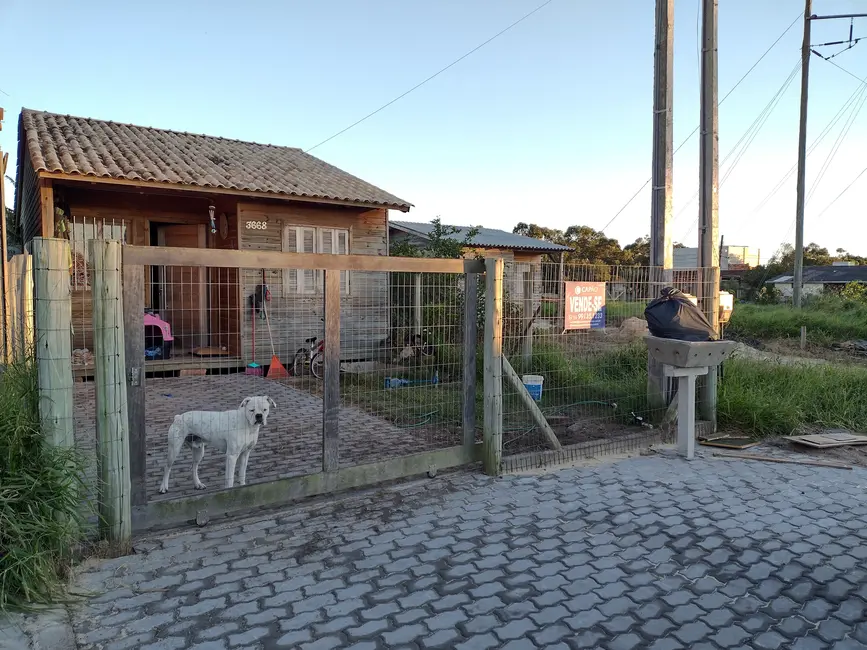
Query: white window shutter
290	276
343	249
306	244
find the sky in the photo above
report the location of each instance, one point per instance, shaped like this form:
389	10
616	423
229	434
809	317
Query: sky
550	123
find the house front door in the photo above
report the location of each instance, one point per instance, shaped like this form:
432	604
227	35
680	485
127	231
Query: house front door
183	291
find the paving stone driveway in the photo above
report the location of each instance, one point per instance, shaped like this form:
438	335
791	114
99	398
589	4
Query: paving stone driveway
644	553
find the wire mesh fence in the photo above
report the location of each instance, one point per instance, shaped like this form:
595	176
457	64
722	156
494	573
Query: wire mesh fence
214	337
574	336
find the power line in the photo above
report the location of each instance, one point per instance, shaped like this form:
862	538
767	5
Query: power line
835	148
781	183
846	189
433	76
747	139
694	131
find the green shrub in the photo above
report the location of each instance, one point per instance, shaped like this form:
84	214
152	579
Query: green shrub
41	514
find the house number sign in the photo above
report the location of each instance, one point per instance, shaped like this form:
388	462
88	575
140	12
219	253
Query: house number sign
257	225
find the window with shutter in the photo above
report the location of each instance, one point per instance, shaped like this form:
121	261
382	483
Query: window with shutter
302	239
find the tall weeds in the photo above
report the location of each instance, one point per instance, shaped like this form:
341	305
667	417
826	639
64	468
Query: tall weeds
41	487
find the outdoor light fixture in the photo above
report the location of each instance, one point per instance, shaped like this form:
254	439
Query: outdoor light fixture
211	218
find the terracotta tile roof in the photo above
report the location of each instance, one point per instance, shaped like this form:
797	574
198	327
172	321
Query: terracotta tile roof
88	147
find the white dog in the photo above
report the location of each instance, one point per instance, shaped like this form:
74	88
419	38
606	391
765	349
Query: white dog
234	433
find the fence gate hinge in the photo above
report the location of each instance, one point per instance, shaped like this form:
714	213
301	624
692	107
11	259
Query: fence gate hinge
134	376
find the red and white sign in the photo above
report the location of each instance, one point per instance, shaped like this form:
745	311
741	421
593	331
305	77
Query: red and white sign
585	305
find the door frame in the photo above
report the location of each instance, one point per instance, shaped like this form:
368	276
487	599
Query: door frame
204	280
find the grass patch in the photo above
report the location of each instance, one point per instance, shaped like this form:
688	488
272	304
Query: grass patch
41	518
759	398
776	400
829	320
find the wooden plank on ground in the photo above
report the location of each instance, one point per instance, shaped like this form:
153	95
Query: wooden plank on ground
829	439
770	459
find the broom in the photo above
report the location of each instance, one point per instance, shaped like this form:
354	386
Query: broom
253	368
276	370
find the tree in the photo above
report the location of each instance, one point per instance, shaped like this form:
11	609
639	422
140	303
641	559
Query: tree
638	252
441	243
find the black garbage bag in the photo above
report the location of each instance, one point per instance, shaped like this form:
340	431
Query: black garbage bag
673	316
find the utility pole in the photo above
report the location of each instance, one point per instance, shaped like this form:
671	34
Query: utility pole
658	387
663	141
708	211
798	279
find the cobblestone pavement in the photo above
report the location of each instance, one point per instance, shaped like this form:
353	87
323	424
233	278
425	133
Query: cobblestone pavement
650	552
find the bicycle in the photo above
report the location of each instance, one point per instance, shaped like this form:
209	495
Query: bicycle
313	355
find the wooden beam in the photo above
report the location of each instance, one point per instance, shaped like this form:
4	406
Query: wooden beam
215	257
471	342
112	416
535	413
493	380
193	189
53	322
133	325
241	500
331	396
46	198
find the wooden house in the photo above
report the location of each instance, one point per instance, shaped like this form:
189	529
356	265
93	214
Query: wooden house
522	254
84	178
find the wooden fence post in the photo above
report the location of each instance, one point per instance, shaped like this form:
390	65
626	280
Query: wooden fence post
331	382
53	325
112	433
527	343
134	355
471	341
493	383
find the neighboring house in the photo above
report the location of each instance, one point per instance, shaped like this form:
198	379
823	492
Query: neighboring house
84	178
732	258
522	254
818	279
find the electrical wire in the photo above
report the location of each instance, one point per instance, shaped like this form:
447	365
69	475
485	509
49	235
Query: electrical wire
846	189
694	131
781	183
746	139
432	77
856	109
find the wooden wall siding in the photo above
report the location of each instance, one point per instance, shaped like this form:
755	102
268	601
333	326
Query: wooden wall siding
29	212
294	317
225	293
137	211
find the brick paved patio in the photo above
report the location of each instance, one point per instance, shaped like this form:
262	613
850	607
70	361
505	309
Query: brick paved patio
291	444
644	553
